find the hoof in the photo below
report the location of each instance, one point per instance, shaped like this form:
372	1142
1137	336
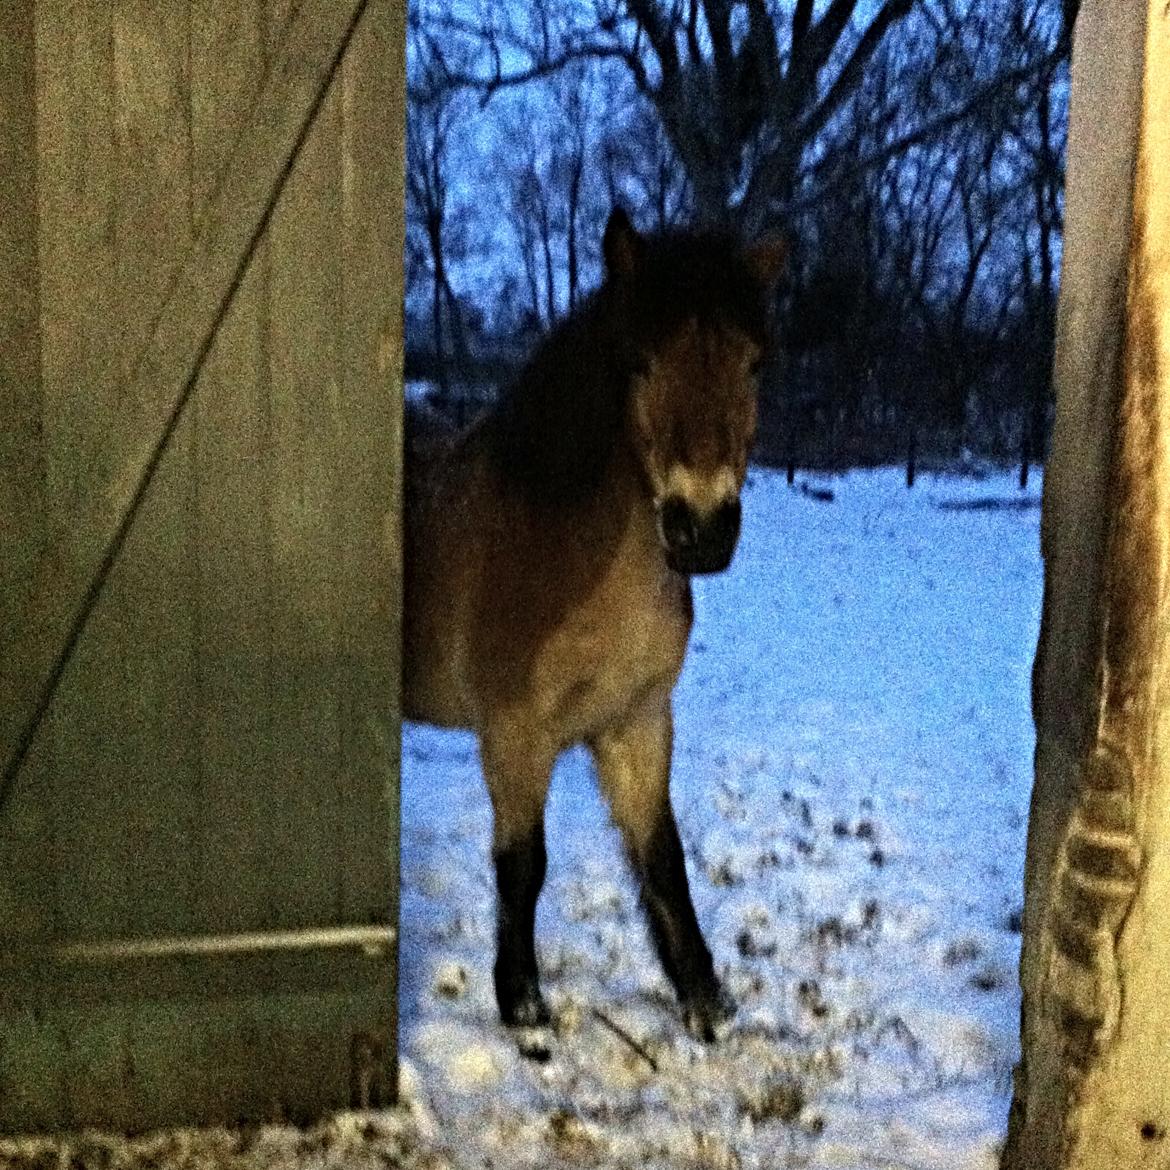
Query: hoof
527	1015
527	1010
708	1019
534	1043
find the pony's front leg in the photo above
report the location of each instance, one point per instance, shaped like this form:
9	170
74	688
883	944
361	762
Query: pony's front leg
633	765
517	776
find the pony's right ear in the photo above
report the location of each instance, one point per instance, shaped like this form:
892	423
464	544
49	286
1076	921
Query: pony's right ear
621	245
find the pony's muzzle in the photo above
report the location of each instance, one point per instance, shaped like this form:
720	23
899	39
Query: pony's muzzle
697	542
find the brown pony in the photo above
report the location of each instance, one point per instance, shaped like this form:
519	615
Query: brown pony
547	560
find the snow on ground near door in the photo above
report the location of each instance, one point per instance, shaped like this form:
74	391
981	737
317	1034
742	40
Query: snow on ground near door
852	770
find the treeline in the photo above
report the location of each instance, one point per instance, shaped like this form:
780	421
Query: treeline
912	151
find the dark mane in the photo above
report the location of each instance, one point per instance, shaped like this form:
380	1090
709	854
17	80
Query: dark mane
556	426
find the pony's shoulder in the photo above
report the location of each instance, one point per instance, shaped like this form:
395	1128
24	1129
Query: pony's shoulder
425	428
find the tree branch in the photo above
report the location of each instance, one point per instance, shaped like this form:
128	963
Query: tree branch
851	73
762	39
718	14
661	36
927	130
693	31
489	86
819	42
801	22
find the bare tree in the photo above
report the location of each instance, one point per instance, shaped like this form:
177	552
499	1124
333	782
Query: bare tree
742	87
920	273
549	193
434	111
911	149
642	168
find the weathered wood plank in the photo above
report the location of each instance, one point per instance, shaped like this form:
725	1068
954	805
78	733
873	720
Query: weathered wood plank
78	555
144	628
228	51
1104	113
368	506
21	439
304	366
233	468
183	1039
76	188
80	339
27	893
1125	1097
280	1054
1088	1092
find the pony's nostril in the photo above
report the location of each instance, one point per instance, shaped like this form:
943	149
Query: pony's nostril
678	524
727	519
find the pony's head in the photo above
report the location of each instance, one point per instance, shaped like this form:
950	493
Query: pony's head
695	312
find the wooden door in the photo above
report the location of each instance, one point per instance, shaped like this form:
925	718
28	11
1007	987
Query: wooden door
198	826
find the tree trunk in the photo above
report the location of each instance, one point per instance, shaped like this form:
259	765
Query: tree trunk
575	177
1045	211
1091	1089
435	235
550	287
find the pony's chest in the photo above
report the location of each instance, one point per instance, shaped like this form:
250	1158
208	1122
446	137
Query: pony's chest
612	655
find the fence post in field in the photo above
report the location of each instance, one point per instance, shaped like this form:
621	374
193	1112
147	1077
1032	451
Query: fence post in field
1092	1090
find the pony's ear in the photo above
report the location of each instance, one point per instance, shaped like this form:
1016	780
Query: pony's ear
766	258
621	245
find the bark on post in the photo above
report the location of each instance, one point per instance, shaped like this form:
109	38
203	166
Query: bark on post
1093	1087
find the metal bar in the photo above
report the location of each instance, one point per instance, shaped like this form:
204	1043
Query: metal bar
322	960
372	941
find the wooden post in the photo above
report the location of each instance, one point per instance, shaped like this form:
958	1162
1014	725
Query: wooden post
1091	1090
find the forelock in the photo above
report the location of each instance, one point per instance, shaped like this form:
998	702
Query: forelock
700	276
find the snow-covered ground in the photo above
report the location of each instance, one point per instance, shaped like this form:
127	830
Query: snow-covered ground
851	778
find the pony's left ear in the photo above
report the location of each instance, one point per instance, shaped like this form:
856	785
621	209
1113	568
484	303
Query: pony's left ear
621	245
766	258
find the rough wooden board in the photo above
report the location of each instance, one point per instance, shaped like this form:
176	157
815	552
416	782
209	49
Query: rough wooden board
1127	1092
1107	81
146	620
370	422
78	184
1079	507
373	183
233	469
283	1053
78	555
26	876
227	48
304	242
133	1055
21	440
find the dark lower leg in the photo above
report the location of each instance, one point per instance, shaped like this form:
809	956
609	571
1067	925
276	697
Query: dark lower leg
520	869
666	895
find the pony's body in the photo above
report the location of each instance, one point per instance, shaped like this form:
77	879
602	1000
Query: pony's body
547	596
561	619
